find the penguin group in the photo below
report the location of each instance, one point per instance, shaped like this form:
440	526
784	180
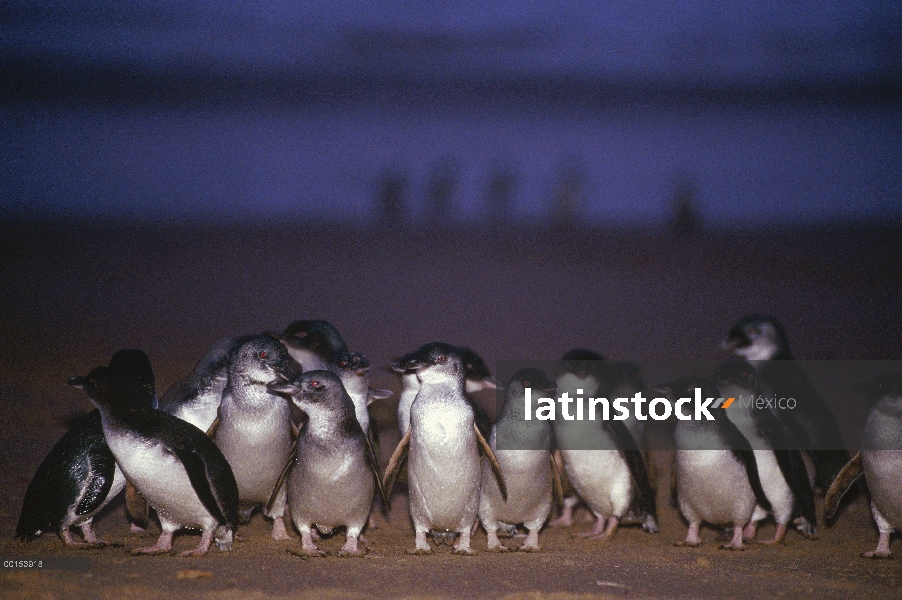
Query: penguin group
279	422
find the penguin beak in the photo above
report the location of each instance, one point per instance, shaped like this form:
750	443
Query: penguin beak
489	383
282	386
78	381
660	389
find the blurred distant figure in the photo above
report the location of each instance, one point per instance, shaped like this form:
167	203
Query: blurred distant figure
685	219
500	192
441	190
390	191
568	192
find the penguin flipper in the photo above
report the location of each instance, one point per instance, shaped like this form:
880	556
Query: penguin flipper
374	465
102	469
197	474
493	461
636	464
742	450
374	394
211	432
790	462
556	486
394	464
844	480
292	455
136	506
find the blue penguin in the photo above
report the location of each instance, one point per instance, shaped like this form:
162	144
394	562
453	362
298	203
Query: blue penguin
527	465
312	343
880	460
254	430
478	378
761	340
716	474
173	464
625	380
196	398
780	468
443	448
334	472
601	460
80	476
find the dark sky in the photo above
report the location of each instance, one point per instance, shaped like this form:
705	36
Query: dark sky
664	38
803	124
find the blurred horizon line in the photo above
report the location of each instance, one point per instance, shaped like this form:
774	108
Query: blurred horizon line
30	76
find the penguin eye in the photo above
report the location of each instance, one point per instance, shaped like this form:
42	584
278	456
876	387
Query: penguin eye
343	364
527	384
301	334
441	358
314	383
262	354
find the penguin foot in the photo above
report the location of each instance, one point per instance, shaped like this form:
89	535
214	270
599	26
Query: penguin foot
137	529
500	548
806	528
279	532
650	525
779	534
529	548
91	541
876	554
421	551
461	551
749	531
687	544
352	549
163	546
732	546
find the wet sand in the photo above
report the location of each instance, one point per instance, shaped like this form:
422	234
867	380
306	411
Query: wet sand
73	296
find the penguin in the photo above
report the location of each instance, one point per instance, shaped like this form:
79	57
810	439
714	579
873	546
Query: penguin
334	474
625	380
353	369
313	344
196	398
442	448
478	378
530	472
80	475
780	467
716	473
761	340
587	372
254	430
601	460
173	464
880	460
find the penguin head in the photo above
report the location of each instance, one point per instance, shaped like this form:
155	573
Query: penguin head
757	337
581	369
315	393
350	362
353	369
434	361
477	372
736	373
625	374
531	378
886	390
261	359
312	337
131	362
685	388
127	382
